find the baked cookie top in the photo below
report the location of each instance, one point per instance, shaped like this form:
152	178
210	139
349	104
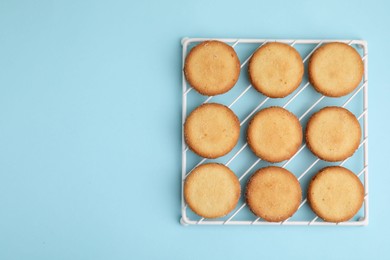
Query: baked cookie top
273	193
274	134
212	68
276	69
335	69
335	194
211	130
333	134
212	190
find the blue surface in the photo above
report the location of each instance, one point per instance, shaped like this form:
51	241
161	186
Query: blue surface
90	107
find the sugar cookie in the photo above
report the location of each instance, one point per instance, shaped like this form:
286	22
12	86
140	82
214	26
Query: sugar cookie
335	69
211	130
212	68
212	190
276	69
273	193
274	134
333	134
335	194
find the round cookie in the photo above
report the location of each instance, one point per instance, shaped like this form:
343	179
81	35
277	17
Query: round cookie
273	193
211	130
335	194
274	134
335	69
212	190
212	68
276	69
333	134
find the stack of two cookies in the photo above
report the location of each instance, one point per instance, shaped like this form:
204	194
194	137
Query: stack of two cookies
274	134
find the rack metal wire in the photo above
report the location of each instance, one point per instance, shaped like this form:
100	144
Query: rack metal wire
362	117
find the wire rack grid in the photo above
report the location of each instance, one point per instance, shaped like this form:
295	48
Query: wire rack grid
305	101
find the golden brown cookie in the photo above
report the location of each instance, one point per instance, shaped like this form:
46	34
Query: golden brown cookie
276	69
273	193
335	69
212	190
274	134
212	68
335	194
211	130
333	134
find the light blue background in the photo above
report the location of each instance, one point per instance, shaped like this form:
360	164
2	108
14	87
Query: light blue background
90	107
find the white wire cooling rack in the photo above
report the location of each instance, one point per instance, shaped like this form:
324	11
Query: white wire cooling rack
245	102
